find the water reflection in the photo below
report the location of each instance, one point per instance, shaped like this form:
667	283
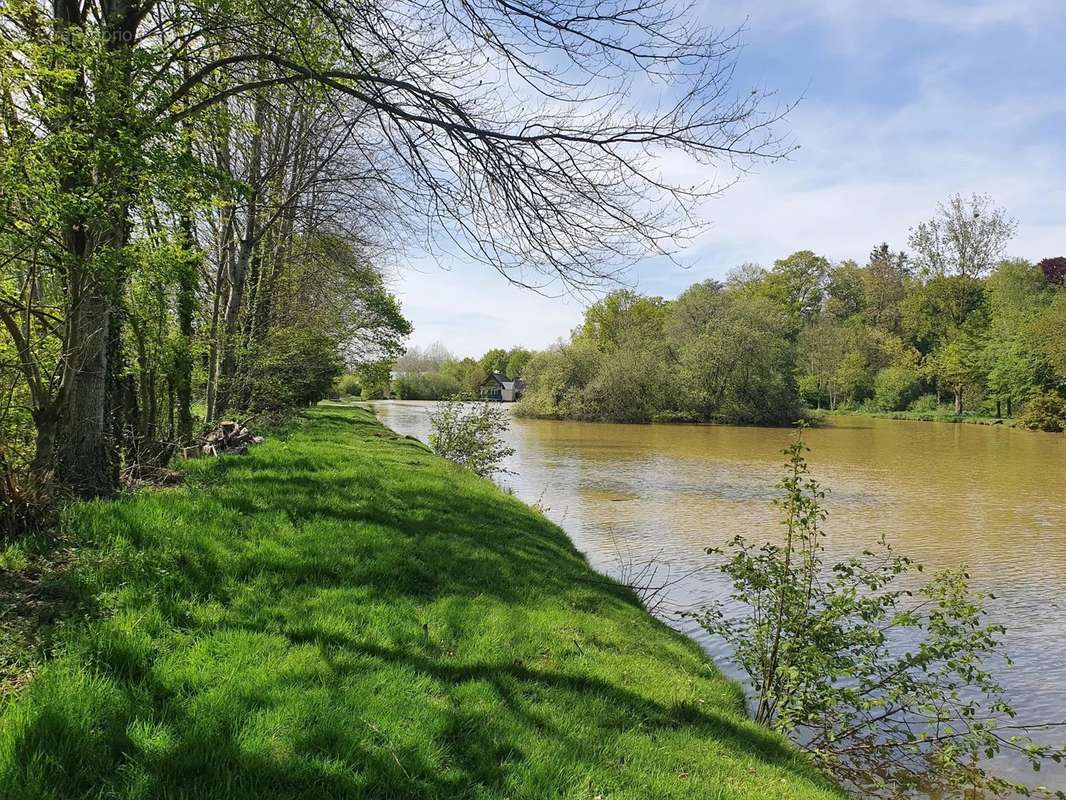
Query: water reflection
991	497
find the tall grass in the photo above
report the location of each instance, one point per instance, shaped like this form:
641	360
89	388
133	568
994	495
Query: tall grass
342	614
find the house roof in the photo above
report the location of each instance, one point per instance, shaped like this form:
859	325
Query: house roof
506	382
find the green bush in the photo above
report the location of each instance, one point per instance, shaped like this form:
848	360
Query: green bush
895	388
427	386
1045	412
925	403
471	435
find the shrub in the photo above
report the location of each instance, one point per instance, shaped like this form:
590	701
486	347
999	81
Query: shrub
925	403
471	435
1045	412
895	388
27	504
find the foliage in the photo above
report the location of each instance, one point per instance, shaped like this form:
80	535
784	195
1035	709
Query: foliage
674	417
347	385
888	689
340	614
295	367
471	435
714	354
1054	270
925	403
428	386
1045	412
966	238
895	388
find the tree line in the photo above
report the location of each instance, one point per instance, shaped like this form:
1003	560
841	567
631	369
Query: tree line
431	373
950	323
198	200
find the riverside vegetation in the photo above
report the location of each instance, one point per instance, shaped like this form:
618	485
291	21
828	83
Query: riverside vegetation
341	613
953	322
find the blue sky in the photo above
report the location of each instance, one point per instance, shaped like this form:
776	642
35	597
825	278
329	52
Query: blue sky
903	104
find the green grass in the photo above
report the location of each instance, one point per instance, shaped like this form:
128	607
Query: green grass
341	614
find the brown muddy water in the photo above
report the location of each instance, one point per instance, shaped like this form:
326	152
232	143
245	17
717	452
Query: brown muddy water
992	498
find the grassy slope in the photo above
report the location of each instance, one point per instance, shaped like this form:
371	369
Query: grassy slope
341	614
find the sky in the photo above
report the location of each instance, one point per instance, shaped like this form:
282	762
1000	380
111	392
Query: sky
903	103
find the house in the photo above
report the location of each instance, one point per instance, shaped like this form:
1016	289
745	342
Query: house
501	388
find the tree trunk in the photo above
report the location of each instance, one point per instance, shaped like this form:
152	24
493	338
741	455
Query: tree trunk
86	461
182	383
958	400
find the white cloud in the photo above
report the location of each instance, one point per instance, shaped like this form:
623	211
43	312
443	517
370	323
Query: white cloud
866	173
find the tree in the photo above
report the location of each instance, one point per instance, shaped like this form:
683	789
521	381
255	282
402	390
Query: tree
821	349
800	282
102	102
623	315
884	288
494	361
958	364
845	291
1054	270
739	366
1049	332
935	311
516	362
965	238
1017	293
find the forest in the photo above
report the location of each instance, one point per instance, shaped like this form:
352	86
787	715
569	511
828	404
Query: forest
952	326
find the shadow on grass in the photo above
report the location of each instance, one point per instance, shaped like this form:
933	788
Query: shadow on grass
339	614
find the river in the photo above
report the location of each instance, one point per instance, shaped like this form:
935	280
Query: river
991	497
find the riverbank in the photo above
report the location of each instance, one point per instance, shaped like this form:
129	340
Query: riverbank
919	416
342	614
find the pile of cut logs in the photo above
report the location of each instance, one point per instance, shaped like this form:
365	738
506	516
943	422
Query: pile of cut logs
228	439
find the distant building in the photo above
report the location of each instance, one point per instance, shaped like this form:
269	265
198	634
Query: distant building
501	388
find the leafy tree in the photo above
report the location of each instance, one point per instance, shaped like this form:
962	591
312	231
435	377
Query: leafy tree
845	291
516	362
965	238
1054	270
935	311
799	282
1049	334
739	367
885	282
494	360
958	364
624	315
822	348
1017	294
